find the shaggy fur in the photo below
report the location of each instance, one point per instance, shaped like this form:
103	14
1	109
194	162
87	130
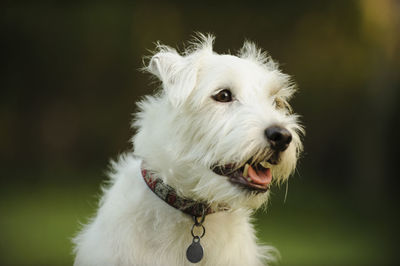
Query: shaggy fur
182	133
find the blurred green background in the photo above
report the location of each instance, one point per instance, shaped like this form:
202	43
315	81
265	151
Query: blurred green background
70	80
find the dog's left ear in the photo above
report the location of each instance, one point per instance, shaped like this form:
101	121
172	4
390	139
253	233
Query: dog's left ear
177	73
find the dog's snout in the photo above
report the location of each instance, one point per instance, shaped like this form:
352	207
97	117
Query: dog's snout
278	137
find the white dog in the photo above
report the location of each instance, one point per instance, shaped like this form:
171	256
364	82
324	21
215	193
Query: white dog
208	147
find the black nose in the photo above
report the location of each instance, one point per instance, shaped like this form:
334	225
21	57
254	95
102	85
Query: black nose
278	137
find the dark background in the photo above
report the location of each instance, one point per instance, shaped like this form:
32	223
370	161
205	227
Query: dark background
70	79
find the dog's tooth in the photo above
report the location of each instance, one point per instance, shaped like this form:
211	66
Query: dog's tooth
246	170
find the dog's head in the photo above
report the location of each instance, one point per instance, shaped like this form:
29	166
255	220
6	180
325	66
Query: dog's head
221	129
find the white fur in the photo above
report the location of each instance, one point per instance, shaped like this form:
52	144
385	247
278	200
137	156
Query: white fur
181	133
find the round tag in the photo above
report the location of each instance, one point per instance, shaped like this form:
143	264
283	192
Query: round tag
194	253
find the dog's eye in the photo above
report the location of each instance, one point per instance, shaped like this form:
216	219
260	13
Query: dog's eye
282	105
279	104
223	96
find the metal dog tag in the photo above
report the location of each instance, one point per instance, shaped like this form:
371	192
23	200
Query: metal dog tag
194	253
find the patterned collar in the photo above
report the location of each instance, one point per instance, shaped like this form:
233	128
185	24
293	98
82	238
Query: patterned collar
169	195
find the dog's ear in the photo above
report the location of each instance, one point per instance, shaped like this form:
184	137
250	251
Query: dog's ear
177	74
163	64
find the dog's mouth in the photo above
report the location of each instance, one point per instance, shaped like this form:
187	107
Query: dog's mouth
252	175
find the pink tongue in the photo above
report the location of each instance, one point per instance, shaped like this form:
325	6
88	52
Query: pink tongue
260	177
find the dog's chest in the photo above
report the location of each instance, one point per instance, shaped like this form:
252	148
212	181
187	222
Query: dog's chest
228	240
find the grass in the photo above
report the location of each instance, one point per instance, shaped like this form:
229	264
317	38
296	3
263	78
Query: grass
36	226
332	235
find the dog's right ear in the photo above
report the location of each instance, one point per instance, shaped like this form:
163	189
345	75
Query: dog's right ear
177	74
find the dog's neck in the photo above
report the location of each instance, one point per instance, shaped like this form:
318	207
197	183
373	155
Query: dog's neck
169	195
